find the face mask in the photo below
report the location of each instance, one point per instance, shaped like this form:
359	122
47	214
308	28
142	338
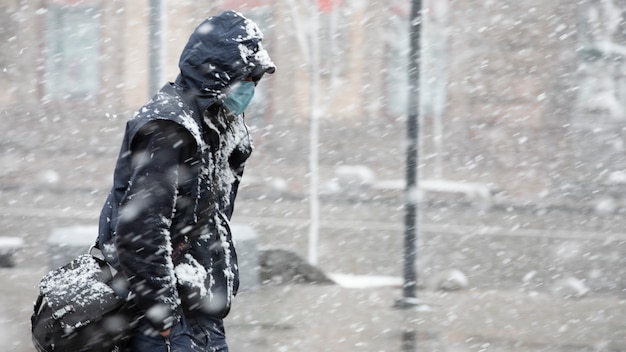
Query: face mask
237	99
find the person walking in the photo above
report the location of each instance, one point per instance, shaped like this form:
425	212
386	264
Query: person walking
165	223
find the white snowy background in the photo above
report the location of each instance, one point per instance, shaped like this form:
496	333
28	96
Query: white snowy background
522	168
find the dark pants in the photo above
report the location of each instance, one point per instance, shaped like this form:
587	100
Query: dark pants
189	335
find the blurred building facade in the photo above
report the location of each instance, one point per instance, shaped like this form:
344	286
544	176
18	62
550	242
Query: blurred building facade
526	97
95	52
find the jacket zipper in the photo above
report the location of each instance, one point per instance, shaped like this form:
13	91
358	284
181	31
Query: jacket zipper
168	347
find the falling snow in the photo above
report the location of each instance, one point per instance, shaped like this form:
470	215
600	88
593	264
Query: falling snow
521	175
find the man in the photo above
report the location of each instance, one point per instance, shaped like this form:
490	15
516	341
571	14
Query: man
165	222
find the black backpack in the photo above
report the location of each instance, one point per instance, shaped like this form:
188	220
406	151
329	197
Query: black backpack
80	308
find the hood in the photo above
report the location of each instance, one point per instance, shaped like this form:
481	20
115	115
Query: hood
222	50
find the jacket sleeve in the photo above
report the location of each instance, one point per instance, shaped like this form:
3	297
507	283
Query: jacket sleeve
146	211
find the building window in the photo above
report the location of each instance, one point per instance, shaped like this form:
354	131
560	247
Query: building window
72	55
601	65
398	81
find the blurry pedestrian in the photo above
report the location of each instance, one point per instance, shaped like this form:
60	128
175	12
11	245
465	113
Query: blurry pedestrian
165	224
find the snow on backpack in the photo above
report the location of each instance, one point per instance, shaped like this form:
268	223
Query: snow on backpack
82	307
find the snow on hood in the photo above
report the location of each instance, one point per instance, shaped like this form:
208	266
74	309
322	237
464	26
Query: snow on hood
222	50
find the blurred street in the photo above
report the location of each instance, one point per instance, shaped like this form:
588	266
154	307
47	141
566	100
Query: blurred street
512	255
307	318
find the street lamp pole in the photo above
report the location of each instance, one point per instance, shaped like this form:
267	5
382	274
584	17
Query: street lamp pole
409	298
156	42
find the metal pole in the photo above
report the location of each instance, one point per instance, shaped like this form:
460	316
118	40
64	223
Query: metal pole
314	139
157	26
409	298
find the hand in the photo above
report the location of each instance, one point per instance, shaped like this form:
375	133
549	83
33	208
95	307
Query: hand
165	333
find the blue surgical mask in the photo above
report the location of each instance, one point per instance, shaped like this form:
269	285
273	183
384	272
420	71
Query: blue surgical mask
238	98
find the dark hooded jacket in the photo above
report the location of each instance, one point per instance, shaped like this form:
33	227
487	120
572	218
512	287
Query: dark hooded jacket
165	224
